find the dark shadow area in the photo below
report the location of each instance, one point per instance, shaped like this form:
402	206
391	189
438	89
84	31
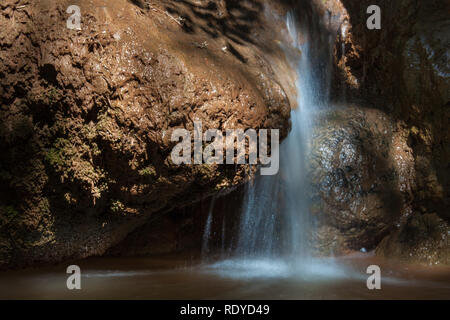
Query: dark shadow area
403	71
236	53
233	19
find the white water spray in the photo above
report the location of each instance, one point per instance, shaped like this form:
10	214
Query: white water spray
275	225
276	220
207	231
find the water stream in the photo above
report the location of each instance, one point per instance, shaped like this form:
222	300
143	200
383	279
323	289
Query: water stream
275	223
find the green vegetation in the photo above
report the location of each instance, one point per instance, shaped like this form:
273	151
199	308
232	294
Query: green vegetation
148	172
54	157
53	95
116	206
10	211
75	162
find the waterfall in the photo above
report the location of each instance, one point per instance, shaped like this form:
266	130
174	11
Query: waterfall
344	29
275	220
275	228
207	231
222	235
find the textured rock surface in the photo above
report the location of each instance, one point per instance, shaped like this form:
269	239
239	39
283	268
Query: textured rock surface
362	172
423	238
86	116
379	167
183	229
403	70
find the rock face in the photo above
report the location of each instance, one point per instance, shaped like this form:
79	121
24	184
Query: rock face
86	118
403	70
362	174
86	115
370	157
422	238
183	230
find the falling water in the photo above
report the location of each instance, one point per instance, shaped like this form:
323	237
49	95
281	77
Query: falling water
223	236
207	231
275	225
275	220
344	29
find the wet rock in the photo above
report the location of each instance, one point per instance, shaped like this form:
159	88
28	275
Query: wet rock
423	238
86	116
402	69
356	174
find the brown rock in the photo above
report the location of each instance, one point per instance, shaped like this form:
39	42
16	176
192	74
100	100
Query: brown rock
86	116
361	179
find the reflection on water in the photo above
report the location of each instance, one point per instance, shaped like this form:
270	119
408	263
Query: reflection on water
314	270
178	277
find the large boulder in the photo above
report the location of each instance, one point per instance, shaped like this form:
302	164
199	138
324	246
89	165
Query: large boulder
362	174
86	115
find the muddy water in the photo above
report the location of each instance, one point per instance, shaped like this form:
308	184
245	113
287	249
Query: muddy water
181	277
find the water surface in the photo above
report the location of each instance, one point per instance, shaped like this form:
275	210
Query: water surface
180	277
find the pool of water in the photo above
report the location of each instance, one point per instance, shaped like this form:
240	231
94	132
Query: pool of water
183	277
